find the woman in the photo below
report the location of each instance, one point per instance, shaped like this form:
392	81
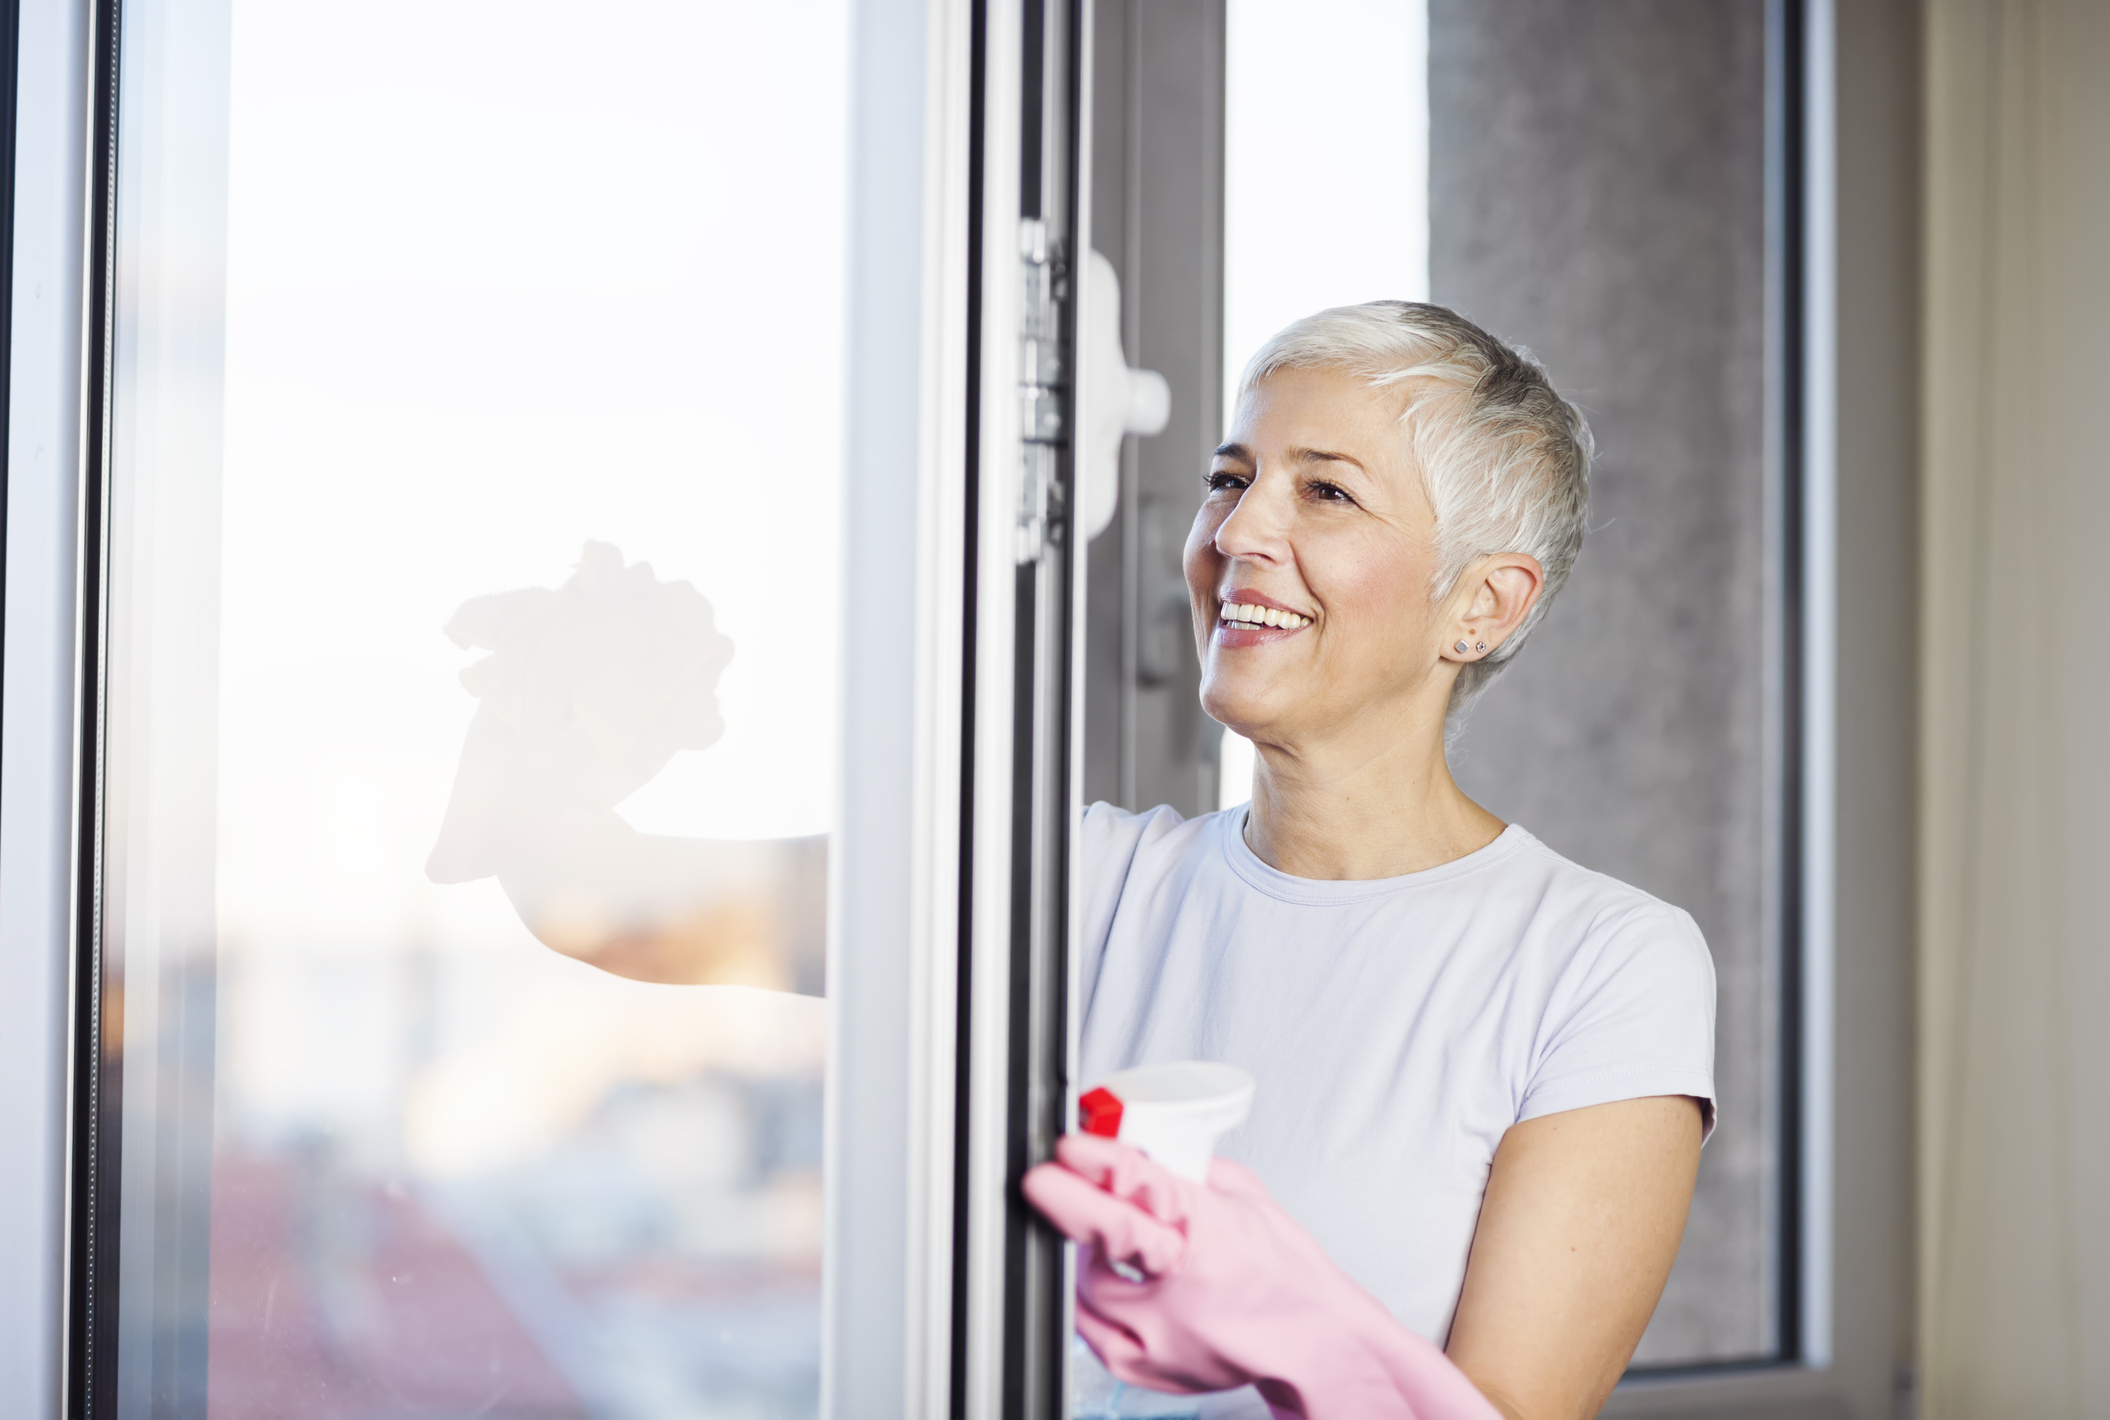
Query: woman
1485	1073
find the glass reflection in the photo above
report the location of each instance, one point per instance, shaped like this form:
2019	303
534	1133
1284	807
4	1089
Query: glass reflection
465	986
587	693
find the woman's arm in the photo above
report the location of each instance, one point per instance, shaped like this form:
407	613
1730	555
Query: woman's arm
588	692
1581	1222
676	911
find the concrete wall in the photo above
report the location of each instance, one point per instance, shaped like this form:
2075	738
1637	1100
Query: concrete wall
1597	178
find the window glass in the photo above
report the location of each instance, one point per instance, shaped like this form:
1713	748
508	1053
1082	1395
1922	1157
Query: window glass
470	702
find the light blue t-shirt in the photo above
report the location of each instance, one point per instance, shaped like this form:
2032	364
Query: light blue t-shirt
1397	1026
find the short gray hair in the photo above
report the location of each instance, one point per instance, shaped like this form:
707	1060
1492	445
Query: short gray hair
1505	461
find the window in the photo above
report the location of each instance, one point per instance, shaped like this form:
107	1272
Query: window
326	328
471	578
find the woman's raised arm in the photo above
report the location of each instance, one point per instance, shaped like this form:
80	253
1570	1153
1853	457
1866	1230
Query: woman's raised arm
587	693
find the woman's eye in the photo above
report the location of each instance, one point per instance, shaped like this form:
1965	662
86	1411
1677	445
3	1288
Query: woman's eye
1330	493
1221	481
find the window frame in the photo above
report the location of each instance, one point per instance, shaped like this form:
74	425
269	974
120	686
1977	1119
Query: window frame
44	155
888	1308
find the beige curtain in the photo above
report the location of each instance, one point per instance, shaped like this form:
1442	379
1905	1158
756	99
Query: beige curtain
2015	842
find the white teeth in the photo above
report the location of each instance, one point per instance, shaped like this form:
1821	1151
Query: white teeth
1262	616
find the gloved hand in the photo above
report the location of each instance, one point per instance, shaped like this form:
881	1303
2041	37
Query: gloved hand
588	692
1232	1292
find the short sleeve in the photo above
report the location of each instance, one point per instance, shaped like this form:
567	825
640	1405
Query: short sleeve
1632	1016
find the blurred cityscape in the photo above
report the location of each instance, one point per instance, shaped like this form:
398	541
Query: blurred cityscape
638	1241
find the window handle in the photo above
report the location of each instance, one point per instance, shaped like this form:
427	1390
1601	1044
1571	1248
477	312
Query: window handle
1112	400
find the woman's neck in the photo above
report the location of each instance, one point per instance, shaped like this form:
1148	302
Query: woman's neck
1373	807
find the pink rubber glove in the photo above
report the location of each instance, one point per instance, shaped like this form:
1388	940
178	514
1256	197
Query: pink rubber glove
1233	1293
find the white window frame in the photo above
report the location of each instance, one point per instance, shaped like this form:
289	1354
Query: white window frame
39	675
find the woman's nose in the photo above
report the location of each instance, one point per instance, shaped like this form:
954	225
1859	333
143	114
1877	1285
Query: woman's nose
1258	528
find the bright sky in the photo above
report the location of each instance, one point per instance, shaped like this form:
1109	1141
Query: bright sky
1326	162
520	283
473	324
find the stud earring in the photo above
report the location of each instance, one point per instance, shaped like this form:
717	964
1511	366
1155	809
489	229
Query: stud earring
1460	648
1481	647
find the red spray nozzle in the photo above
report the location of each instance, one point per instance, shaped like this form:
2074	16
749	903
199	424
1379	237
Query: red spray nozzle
1100	1113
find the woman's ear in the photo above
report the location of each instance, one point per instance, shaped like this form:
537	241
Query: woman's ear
1490	602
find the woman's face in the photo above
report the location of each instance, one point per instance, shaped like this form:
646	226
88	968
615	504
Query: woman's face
1315	509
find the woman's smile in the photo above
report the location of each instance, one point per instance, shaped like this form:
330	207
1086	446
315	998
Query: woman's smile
1248	618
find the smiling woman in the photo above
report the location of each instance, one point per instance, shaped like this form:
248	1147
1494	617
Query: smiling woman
1485	1072
1382	453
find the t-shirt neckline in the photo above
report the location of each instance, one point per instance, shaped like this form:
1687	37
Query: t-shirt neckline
1257	873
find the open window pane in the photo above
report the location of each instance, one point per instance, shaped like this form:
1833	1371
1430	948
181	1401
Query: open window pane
469	709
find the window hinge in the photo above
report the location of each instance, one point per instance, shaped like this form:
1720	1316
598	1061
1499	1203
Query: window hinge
1043	388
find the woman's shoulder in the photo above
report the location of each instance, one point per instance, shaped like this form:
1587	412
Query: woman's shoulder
1112	840
1629	993
1122	853
1123	856
1588	928
1605	903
